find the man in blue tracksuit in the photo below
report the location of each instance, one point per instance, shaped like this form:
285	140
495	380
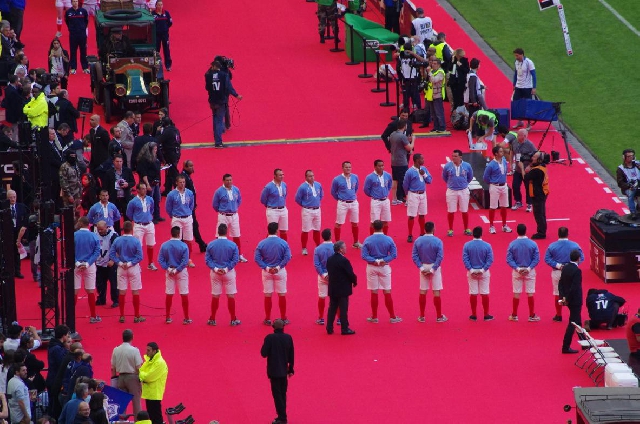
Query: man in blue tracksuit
126	253
556	257
523	256
87	250
477	256
77	20
174	258
222	257
163	23
272	255
219	87
427	255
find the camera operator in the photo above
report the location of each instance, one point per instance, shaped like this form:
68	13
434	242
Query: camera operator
627	176
409	69
603	307
218	85
227	66
537	178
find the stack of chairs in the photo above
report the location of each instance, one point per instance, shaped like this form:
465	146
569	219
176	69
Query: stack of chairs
595	355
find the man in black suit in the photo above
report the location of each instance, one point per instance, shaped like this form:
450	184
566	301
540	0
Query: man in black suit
187	170
14	103
341	280
51	160
99	139
570	289
121	177
278	349
20	218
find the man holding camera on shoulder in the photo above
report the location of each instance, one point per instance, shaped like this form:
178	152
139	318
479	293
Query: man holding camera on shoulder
409	59
537	180
627	175
218	85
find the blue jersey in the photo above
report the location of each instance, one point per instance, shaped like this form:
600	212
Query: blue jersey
225	202
222	253
477	254
457	177
343	188
378	186
378	246
496	173
174	253
559	251
305	196
428	249
100	212
180	204
272	197
523	253
272	252
414	181
126	248
139	212
320	256
87	246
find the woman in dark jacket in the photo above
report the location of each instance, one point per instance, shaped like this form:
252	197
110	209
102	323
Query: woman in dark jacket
458	77
98	415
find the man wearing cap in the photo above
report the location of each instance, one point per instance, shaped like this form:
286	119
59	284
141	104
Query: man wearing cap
422	26
309	196
274	198
226	201
140	211
222	257
153	376
174	258
117	45
87	250
179	206
278	349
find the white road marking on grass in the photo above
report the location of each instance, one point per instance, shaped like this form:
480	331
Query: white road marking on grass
484	219
580	161
598	180
620	17
615	199
589	170
607	190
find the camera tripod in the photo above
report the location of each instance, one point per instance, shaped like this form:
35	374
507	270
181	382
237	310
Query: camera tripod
562	129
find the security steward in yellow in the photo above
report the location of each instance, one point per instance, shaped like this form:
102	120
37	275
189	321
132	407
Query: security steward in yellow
37	110
153	376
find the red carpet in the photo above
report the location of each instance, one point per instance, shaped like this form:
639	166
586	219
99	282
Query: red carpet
459	371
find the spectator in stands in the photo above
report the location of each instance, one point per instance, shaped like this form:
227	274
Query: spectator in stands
19	405
96	404
13	103
59	62
67	113
22	62
77	20
33	364
37	110
6	142
603	307
148	167
71	408
392	11
16	14
139	142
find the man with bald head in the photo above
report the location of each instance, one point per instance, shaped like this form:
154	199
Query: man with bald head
523	150
105	269
20	219
99	139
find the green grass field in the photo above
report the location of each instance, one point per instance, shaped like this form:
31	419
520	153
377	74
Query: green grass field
600	83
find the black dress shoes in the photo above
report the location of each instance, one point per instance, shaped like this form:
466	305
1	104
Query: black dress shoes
348	332
329	332
569	350
18	275
538	236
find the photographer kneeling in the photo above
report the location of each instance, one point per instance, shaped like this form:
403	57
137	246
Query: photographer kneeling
627	176
603	308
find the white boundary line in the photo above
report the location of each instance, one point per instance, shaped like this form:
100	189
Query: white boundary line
620	17
607	190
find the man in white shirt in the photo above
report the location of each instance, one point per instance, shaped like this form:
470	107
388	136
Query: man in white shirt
423	27
524	76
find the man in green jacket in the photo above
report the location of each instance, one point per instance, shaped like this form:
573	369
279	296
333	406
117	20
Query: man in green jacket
153	376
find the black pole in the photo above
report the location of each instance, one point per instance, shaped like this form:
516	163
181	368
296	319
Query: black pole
328	35
364	58
336	40
387	103
378	89
352	54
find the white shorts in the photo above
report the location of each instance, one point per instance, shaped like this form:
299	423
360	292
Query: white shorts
186	227
281	216
232	222
277	282
434	280
479	282
378	277
311	220
145	233
228	281
457	199
88	275
323	286
181	279
416	204
352	208
129	277
555	278
381	209
63	3
528	280
498	196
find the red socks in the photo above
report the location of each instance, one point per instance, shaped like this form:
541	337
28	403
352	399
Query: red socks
531	306
473	299
150	255
282	304
337	231
121	299
421	220
370	229
188	243
422	300
321	301
231	305
465	219
92	303
388	302
267	307
516	302
168	300
136	305
283	235
503	215
316	237
304	237
450	216
236	240
374	305
485	303
410	227
354	231
185	305
385	230
558	306
438	305
492	215
215	301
